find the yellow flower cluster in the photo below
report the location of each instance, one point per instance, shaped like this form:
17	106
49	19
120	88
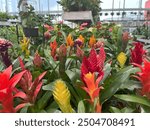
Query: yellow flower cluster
25	45
122	59
62	96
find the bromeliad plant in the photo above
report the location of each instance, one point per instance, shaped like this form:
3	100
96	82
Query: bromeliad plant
4	45
82	69
7	87
89	67
30	89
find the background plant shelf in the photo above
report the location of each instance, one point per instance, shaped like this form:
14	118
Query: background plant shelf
78	16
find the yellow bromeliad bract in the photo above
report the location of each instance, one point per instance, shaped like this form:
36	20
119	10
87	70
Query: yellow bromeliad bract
62	96
25	45
121	58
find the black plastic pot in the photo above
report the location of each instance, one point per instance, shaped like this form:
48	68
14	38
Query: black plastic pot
31	32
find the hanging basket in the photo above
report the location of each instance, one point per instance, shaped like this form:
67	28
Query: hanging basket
118	13
112	13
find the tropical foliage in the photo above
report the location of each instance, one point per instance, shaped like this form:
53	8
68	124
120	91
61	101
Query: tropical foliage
83	69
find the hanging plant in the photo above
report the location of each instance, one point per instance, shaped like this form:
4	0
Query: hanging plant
141	13
106	14
131	12
101	14
123	13
118	13
112	13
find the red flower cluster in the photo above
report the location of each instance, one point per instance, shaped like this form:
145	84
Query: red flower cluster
144	77
137	53
37	61
47	34
83	25
7	86
4	45
94	63
30	89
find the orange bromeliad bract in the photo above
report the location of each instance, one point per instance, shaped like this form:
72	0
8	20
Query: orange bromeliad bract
53	46
92	41
92	88
81	38
69	41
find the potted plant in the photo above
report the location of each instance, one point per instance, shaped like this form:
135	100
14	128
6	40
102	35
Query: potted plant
118	13
29	21
4	16
106	14
123	13
112	13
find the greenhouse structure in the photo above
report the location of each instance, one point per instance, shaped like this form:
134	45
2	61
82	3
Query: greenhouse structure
74	56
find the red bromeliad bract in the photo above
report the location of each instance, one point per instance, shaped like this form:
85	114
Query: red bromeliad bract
37	61
144	77
94	63
7	86
30	89
137	53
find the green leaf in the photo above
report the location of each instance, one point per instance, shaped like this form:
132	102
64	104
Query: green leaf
134	99
1	67
127	110
52	105
53	110
52	39
114	110
107	70
145	109
81	107
25	109
73	75
48	86
116	82
42	102
131	85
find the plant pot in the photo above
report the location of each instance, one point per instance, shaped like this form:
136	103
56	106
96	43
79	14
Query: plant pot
31	32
